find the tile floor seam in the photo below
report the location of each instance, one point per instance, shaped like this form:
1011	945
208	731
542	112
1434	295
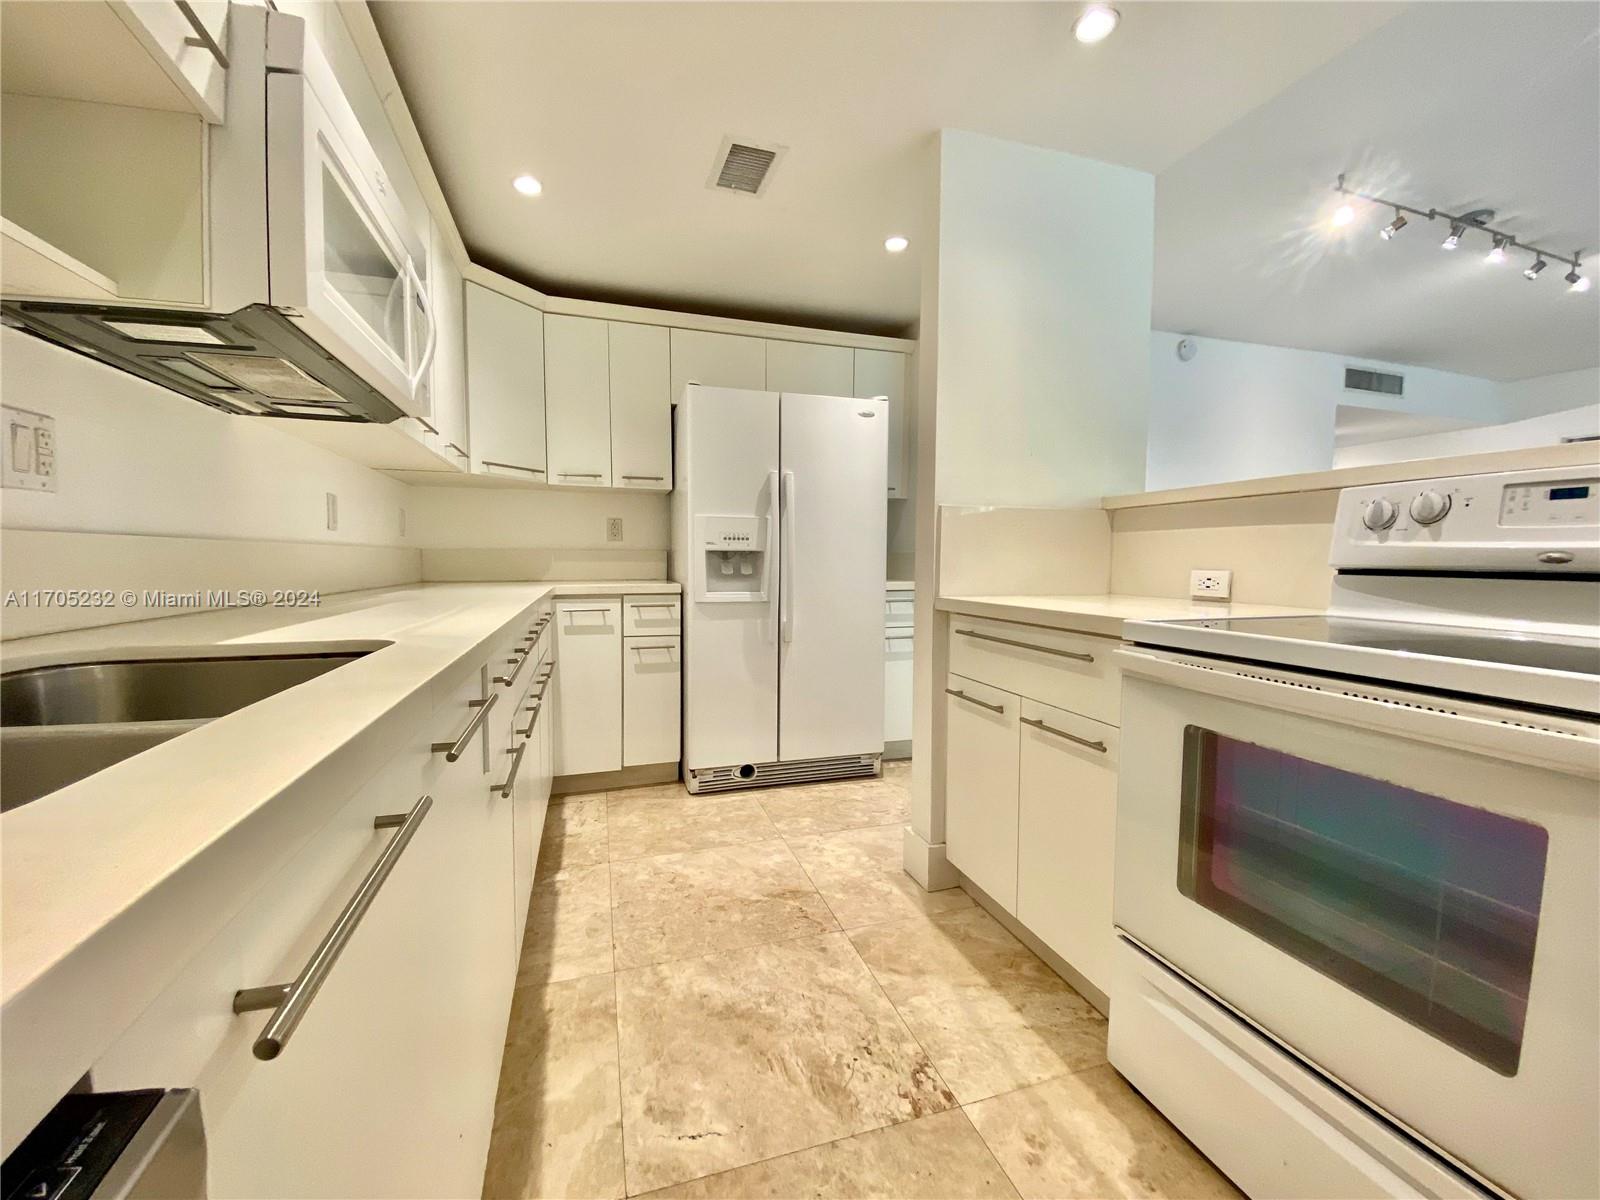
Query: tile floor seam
820	894
777	941
993	1157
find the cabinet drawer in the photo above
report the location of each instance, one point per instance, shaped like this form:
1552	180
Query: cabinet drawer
652	672
1073	671
650	614
899	608
981	786
1066	825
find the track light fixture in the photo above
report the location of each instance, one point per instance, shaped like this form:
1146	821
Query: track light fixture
1461	224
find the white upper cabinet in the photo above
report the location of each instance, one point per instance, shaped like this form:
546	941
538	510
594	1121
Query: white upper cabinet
883	373
577	378
505	385
450	357
809	368
717	360
641	406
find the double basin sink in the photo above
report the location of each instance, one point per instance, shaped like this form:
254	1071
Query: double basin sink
60	724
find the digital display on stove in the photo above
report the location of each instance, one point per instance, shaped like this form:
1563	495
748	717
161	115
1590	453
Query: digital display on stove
1569	493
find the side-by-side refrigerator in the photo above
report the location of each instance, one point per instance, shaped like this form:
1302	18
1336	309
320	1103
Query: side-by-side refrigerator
778	540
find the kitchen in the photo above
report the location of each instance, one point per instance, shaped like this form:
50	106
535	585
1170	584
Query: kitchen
742	600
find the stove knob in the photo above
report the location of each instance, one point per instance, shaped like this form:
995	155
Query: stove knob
1380	514
1429	507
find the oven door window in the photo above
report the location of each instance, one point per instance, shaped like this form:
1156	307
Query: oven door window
1427	907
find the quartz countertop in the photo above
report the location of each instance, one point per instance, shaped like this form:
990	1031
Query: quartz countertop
1104	614
111	883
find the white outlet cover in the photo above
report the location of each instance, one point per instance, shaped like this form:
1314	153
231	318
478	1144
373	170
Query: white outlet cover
29	453
1210	584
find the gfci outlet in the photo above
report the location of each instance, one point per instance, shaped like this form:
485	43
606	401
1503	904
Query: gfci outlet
1210	585
613	529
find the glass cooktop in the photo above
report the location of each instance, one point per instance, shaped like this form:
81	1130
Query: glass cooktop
1543	652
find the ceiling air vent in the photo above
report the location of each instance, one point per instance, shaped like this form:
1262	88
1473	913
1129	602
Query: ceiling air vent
1359	379
742	167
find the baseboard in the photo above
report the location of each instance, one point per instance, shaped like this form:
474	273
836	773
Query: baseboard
1051	959
897	751
927	864
606	781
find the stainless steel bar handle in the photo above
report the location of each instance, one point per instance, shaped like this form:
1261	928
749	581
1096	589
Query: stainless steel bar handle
585	610
533	720
898	637
668	605
989	637
458	450
513	467
454	750
653	647
505	788
581	475
960	695
202	35
521	660
1062	733
290	1001
651	478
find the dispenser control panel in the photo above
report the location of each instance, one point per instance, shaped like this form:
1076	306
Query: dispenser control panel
733	565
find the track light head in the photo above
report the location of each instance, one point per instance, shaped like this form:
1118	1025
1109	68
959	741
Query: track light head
1498	253
1532	272
1453	238
1394	226
1576	282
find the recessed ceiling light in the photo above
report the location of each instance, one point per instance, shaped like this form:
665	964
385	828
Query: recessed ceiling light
895	244
1343	215
527	185
1095	23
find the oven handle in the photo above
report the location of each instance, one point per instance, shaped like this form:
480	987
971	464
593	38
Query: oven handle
1569	745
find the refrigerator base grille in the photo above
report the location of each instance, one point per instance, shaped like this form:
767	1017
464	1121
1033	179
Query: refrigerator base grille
775	774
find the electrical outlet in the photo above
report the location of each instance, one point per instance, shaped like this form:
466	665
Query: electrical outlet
613	529
30	450
333	511
1210	585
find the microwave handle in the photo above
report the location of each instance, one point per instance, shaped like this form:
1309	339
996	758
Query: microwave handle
432	343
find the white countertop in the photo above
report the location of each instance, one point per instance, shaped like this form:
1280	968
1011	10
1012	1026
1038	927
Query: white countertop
111	883
1104	614
899	585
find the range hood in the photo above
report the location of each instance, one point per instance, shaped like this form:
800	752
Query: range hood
254	362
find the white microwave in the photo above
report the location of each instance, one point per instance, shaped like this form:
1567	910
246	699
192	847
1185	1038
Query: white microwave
317	305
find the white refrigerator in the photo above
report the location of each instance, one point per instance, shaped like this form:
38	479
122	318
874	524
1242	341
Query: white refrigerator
778	538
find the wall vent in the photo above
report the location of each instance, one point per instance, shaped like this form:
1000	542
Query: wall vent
744	167
1359	379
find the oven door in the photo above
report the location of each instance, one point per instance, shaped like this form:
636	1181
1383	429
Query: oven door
1402	890
342	265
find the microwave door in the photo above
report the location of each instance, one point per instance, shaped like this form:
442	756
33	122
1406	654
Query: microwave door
338	268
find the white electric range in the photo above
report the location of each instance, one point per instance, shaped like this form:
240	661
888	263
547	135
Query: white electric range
1358	857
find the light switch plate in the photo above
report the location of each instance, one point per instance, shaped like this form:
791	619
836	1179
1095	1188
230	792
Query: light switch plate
1210	584
29	455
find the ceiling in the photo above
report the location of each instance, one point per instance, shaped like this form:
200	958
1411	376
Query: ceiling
619	109
1449	106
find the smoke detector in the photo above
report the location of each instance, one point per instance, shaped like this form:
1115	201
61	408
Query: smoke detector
743	167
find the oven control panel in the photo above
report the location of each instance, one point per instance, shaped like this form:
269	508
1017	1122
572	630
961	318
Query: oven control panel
1522	521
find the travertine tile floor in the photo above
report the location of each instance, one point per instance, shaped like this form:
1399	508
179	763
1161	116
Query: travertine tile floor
745	996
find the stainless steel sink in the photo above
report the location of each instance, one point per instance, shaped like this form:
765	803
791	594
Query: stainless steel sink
64	723
167	689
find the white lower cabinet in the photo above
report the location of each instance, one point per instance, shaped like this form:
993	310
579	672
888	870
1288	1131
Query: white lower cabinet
981	734
588	730
386	1086
652	674
1066	828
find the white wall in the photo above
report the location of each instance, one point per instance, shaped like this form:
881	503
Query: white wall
1239	410
136	458
1548	429
1044	314
511	518
1549	393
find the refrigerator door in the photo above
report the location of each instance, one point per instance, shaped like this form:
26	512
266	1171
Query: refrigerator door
727	466
830	692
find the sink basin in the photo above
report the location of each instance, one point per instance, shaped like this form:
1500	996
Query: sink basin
64	723
165	689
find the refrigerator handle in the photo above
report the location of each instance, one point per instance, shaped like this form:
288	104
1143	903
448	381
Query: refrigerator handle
788	556
771	557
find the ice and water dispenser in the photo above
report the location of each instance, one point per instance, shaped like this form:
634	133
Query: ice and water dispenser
733	564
